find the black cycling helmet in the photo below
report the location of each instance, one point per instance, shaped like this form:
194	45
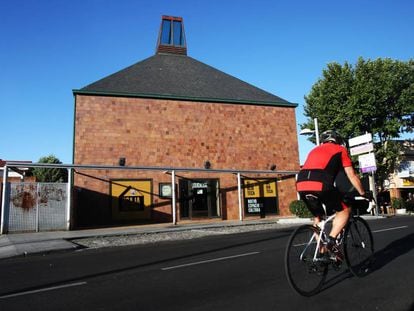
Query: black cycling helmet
332	136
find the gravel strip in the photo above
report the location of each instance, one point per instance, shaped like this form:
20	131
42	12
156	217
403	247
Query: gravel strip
147	238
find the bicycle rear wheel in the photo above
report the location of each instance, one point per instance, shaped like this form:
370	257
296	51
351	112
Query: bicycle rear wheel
305	275
358	246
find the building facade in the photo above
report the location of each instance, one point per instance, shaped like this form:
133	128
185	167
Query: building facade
401	183
171	110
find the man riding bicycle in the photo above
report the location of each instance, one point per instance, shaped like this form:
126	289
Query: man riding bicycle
316	183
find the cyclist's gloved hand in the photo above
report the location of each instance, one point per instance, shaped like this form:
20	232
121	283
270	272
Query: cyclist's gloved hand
368	195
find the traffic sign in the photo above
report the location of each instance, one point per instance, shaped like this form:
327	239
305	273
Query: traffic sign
367	163
365	148
359	140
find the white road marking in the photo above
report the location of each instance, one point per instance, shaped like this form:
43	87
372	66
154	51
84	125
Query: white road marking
46	289
389	229
209	260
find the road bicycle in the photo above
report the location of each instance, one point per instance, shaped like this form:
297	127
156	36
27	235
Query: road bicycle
306	258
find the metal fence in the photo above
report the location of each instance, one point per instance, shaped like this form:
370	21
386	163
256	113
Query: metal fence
36	207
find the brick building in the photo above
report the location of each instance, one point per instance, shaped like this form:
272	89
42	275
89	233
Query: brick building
171	110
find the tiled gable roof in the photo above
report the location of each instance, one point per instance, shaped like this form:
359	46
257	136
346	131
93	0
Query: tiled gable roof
173	76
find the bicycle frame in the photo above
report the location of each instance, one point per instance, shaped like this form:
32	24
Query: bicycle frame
306	256
322	224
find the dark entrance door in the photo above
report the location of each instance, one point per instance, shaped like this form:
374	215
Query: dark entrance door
198	198
199	202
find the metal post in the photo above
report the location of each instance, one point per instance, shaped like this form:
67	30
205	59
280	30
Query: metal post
297	193
173	201
372	187
37	207
239	196
315	120
3	198
69	198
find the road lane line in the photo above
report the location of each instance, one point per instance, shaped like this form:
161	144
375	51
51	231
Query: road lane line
46	289
208	261
389	229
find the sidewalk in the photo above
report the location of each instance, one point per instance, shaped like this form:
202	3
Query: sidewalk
23	244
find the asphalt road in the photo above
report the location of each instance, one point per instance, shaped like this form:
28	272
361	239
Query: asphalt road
226	272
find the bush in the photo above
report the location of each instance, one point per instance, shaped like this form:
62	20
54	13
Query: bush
298	207
397	203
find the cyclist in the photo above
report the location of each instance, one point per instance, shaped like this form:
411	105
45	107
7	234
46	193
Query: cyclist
316	182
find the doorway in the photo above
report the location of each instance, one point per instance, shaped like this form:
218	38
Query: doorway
199	198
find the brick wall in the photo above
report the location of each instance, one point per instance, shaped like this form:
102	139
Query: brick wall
151	132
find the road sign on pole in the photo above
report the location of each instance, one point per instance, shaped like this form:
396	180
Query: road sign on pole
367	163
363	146
360	149
359	140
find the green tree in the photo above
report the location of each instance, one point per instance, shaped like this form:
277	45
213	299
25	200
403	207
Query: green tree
50	174
375	96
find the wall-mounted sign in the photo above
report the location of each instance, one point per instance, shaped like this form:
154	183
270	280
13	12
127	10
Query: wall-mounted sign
254	205
199	185
260	196
256	188
165	190
406	182
131	198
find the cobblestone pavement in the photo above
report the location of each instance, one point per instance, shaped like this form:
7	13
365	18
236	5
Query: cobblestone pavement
146	238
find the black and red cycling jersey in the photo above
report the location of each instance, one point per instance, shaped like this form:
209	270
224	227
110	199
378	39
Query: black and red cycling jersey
321	167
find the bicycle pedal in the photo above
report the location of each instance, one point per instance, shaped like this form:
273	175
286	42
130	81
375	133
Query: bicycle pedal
336	266
323	258
337	258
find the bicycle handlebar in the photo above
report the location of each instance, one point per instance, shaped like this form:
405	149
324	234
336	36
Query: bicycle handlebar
371	201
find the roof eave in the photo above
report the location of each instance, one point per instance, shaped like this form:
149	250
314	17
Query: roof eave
186	98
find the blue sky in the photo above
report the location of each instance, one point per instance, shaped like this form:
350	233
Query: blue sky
50	47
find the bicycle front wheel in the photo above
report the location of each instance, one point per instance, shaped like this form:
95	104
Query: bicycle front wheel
304	273
358	246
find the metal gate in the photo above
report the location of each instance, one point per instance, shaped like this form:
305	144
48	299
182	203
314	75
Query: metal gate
36	207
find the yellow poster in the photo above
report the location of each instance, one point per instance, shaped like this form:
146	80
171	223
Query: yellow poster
258	188
131	199
270	189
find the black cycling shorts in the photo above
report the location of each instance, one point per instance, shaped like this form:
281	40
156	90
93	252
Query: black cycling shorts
332	199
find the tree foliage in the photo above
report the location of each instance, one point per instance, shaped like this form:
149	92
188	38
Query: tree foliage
374	96
50	174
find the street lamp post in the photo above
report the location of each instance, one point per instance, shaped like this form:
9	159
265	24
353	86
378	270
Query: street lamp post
315	121
312	132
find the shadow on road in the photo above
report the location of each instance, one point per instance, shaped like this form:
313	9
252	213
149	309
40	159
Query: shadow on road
392	251
381	258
